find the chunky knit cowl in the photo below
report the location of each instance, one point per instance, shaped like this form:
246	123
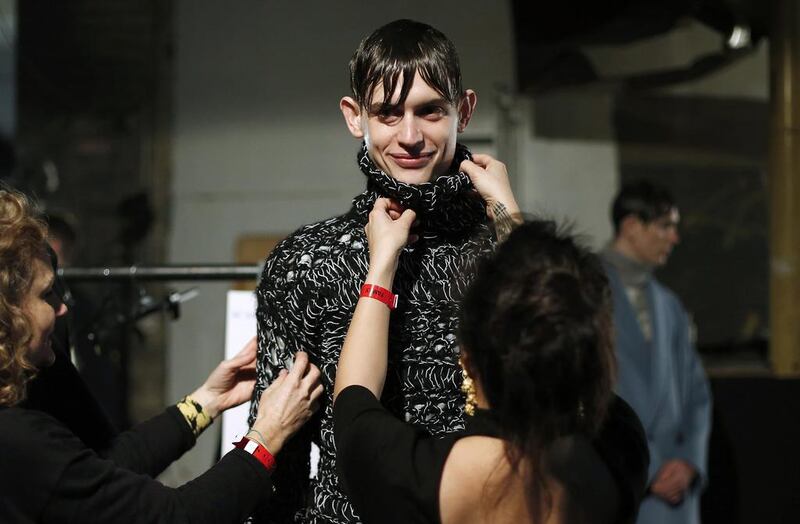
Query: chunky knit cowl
447	204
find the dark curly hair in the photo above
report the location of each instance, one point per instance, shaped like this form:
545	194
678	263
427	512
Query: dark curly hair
22	240
536	328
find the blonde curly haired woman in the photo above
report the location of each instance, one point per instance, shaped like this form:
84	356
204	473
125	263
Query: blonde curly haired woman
47	474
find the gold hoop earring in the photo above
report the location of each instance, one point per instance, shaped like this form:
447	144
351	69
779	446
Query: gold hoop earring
468	389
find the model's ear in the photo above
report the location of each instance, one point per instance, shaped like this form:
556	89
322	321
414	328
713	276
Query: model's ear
352	116
465	108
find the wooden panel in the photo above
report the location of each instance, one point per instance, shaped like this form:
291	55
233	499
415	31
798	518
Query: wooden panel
254	249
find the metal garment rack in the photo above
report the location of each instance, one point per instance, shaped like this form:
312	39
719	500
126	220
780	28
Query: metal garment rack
162	273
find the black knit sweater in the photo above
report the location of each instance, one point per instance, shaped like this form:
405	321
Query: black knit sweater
307	294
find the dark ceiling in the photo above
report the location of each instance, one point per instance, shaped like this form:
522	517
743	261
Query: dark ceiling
549	35
89	55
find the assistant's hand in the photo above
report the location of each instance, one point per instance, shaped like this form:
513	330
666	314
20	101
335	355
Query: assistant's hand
231	382
673	480
388	231
288	403
490	178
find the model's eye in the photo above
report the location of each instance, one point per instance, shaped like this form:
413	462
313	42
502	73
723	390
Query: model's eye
386	113
388	117
433	111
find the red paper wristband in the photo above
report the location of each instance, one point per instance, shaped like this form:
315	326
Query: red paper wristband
379	293
258	451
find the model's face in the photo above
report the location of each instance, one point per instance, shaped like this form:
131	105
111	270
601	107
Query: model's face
415	141
652	242
42	306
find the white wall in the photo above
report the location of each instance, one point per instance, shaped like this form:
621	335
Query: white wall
260	145
572	181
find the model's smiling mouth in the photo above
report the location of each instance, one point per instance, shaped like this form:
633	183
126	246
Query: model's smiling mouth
412	161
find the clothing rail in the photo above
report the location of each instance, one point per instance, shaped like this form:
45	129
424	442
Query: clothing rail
171	272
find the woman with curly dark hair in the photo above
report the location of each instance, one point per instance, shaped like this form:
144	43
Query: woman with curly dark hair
23	253
48	474
546	440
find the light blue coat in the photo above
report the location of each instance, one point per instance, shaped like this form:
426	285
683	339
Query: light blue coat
664	381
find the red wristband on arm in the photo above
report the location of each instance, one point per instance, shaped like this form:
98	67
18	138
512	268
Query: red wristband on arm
379	293
258	451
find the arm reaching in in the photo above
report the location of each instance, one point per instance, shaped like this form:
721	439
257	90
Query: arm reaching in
284	406
287	403
90	487
231	382
490	178
363	360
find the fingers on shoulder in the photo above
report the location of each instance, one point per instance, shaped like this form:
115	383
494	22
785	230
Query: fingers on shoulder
299	366
316	393
278	380
311	378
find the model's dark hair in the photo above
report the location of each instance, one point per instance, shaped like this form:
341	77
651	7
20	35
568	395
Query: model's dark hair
405	47
536	328
643	199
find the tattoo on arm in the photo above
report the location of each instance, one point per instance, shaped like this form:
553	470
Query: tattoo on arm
504	223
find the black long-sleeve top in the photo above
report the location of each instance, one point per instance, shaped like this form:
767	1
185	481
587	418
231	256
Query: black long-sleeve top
48	475
393	470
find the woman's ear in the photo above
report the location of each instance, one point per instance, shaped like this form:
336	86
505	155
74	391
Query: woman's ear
352	116
465	108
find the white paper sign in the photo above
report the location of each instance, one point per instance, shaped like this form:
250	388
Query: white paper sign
240	326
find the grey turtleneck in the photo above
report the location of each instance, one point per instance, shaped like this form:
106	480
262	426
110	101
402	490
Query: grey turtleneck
634	276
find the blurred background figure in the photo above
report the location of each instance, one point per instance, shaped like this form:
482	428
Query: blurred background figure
660	373
62	237
76	331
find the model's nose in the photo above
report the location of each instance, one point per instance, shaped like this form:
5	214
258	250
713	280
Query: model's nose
410	134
